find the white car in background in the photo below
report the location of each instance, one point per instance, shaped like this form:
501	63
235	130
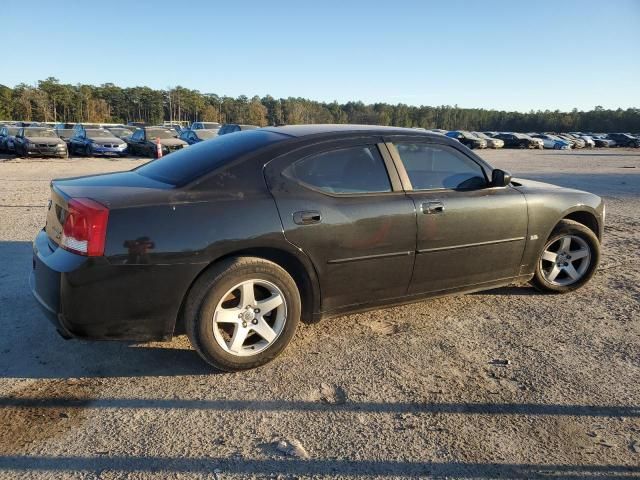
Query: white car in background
491	142
588	140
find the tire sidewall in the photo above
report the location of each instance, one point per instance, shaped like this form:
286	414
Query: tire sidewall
579	230
202	327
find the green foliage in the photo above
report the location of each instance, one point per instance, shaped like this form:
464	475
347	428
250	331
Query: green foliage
52	101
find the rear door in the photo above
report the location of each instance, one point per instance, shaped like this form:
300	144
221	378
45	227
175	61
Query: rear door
469	232
342	203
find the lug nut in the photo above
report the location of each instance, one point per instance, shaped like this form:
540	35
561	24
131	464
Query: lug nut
257	310
244	324
255	321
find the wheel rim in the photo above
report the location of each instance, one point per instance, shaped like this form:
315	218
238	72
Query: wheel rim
249	318
565	260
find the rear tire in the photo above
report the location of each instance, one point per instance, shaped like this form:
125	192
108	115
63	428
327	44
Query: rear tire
233	336
568	260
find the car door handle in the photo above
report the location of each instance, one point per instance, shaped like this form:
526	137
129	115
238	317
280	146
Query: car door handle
307	217
433	207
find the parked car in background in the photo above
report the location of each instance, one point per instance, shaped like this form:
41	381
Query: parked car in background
7	138
205	126
467	139
65	131
40	142
235	127
549	141
97	141
144	141
81	127
491	142
602	141
574	141
121	132
239	238
624	140
519	140
197	136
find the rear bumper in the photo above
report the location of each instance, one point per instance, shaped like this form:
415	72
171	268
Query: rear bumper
45	279
92	298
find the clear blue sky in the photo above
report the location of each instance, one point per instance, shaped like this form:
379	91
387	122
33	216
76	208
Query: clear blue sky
503	54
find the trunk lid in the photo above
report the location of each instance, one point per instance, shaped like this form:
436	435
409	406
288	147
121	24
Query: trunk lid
113	190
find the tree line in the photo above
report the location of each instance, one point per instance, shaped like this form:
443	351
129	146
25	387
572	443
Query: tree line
51	101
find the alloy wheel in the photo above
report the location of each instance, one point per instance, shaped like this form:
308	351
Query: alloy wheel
565	260
249	318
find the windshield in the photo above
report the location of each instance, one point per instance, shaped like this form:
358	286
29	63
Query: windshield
12	130
185	165
153	133
481	135
38	132
204	134
467	135
120	131
99	134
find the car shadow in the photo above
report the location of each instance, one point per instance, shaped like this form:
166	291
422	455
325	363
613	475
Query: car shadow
526	290
576	154
311	467
30	347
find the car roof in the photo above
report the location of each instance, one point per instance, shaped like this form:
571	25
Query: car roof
318	129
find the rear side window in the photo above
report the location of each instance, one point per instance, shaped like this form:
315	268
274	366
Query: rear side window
347	170
187	164
431	166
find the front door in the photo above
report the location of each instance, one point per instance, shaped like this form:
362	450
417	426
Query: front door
343	205
469	232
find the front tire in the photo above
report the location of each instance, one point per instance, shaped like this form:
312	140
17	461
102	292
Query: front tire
568	260
242	313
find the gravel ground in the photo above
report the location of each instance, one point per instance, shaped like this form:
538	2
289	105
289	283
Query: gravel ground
415	391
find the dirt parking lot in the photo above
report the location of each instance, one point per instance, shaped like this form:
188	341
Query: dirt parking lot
507	383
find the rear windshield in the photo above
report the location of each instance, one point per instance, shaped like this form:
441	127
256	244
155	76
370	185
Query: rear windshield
187	164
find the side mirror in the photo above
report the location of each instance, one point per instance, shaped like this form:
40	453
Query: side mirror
500	178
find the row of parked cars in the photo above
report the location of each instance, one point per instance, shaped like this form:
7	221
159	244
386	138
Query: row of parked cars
556	141
93	139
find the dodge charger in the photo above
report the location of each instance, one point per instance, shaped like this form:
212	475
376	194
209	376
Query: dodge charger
235	240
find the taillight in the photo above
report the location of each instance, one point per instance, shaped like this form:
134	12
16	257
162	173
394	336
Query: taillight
85	227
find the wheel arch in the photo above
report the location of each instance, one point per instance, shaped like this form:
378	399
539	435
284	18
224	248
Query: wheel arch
586	218
302	273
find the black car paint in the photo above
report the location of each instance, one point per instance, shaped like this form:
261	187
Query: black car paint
366	250
512	141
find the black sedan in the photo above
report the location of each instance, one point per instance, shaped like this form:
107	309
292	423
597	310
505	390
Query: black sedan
145	140
235	239
39	142
95	142
519	140
624	140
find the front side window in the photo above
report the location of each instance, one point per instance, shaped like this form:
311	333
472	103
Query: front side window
431	166
349	170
